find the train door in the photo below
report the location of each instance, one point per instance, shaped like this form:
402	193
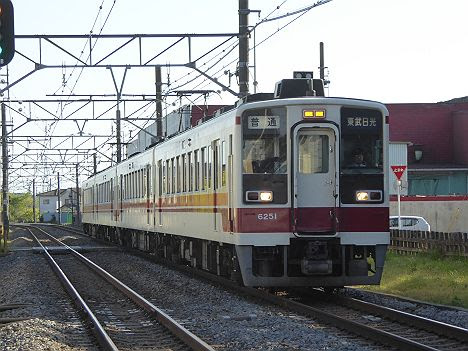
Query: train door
314	194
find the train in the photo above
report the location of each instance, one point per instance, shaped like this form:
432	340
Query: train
266	192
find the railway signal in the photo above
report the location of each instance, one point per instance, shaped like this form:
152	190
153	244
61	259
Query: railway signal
7	32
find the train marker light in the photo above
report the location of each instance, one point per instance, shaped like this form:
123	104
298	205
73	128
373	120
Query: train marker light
7	32
314	113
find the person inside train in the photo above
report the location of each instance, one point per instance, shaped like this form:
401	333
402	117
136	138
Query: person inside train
358	159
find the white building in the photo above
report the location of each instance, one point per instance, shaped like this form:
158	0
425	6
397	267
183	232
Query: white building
48	205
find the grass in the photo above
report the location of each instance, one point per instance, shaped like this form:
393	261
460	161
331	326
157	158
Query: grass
426	277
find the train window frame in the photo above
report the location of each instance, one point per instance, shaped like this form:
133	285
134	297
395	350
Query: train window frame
264	132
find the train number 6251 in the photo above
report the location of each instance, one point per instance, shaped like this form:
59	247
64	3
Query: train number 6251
266	216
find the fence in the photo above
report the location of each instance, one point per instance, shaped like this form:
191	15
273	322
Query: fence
412	242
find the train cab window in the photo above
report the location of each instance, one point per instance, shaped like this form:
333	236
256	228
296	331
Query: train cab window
264	141
264	155
361	154
361	141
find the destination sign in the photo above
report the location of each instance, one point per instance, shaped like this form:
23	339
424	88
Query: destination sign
263	122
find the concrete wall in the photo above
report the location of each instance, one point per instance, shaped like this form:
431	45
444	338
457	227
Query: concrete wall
444	213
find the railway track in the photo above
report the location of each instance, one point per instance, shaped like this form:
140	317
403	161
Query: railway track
120	318
385	326
395	328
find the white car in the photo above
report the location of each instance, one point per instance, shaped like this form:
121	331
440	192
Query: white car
410	223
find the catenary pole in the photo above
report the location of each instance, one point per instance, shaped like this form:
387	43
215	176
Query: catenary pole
5	218
243	48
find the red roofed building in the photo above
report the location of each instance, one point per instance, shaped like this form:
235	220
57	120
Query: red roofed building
438	132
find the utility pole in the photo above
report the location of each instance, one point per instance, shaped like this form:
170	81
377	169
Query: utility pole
5	218
159	132
243	47
58	199
34	199
95	163
78	215
322	65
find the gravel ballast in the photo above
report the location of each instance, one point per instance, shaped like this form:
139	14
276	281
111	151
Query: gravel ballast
223	319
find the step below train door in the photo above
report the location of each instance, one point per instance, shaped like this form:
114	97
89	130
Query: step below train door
314	192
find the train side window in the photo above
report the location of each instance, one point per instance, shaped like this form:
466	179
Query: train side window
190	171
159	180
216	161
197	170
178	174
137	184
125	187
204	168
184	173
166	177
173	176
210	162
223	163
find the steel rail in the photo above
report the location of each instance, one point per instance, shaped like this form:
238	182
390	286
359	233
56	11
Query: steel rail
376	335
178	330
437	327
103	338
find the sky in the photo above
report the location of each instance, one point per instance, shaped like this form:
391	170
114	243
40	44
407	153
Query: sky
390	51
393	51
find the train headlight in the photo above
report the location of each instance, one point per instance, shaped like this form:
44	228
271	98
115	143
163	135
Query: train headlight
369	195
266	196
259	196
362	196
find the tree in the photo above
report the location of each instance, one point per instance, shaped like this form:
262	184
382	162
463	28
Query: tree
21	208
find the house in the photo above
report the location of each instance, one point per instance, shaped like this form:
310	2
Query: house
48	206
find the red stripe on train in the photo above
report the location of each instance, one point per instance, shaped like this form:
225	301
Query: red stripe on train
363	219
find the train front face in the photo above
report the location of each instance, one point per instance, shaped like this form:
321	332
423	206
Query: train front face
314	204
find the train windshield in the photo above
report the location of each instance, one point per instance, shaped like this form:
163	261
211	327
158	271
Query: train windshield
361	141
264	141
